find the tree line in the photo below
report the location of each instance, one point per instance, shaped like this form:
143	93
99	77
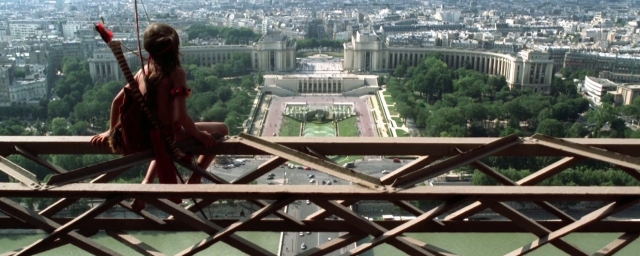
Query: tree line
82	107
466	103
230	35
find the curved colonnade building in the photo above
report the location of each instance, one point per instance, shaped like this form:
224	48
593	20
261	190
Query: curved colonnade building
526	69
272	53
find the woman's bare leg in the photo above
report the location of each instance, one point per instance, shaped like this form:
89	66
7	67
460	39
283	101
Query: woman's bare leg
205	160
138	204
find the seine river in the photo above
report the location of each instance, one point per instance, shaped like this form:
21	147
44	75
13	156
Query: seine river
473	244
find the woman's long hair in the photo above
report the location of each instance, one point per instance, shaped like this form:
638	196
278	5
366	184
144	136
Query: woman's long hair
162	43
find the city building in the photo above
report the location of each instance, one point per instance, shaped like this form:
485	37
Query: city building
5	83
620	77
597	61
346	84
596	88
626	93
526	69
275	53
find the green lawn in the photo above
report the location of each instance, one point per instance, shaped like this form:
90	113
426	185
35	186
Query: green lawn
345	159
386	93
290	127
402	133
393	111
398	120
389	100
348	127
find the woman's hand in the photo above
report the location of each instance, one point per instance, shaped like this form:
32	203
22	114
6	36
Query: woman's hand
100	140
206	138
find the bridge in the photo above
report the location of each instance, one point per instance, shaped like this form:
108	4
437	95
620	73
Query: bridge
401	187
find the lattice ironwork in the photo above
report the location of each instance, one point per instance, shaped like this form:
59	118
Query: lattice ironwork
436	156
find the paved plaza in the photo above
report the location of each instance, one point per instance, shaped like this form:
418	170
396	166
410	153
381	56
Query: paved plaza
277	107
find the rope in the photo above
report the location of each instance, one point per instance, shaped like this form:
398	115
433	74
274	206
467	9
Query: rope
140	99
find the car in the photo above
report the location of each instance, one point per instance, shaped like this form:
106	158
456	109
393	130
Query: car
301	233
311	176
303	246
308	232
385	172
324	182
272	175
308	202
307	168
329	238
312	181
334	180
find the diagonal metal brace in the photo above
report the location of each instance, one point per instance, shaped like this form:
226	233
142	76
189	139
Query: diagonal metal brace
313	162
18	173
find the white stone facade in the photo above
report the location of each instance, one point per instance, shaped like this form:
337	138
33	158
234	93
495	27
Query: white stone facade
273	53
528	69
320	84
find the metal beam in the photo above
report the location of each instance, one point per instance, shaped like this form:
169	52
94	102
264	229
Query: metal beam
18	173
67	227
39	160
333	245
594	216
409	180
323	214
194	221
533	227
60	242
13	209
504	180
532	179
226	232
369	227
261	170
415	165
338	225
204	173
587	151
313	162
617	244
100	169
391	234
340	146
269	192
133	243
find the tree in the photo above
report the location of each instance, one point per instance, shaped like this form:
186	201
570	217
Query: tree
551	127
608	99
234	122
577	130
224	93
58	108
216	113
59	126
260	78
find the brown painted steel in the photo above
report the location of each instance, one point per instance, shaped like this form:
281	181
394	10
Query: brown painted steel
417	164
532	179
617	244
594	216
276	225
338	146
269	192
533	227
431	171
133	243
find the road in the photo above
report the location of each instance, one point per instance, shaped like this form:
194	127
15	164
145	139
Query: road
292	241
